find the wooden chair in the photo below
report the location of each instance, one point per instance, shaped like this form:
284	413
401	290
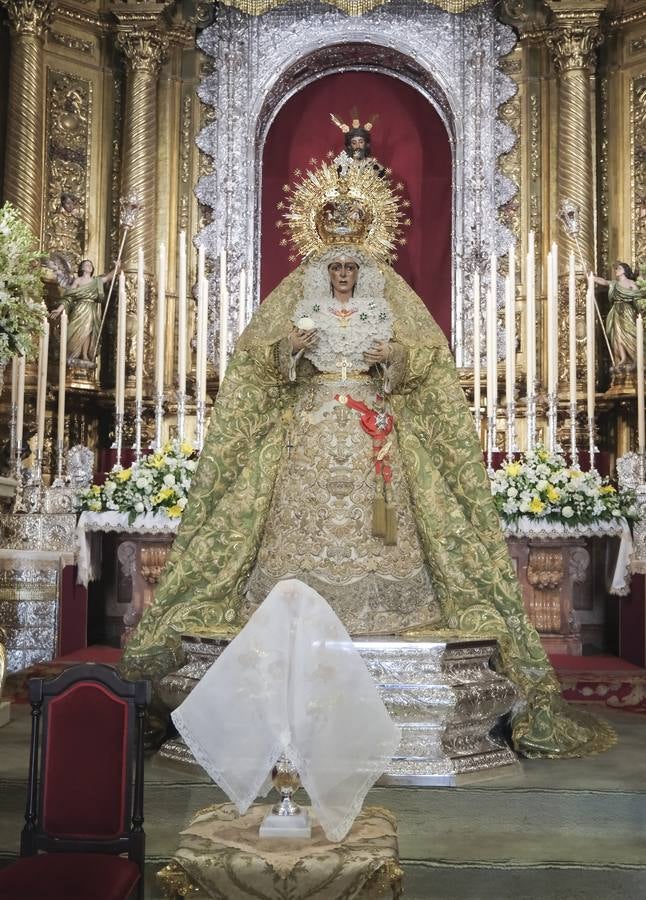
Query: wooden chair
85	790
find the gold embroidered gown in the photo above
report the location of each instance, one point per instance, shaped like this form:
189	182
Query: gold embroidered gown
266	449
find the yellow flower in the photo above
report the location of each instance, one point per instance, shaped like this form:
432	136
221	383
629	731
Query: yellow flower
124	475
174	511
543	455
512	469
536	506
552	493
607	489
95	490
167	447
186	448
157	460
164	494
574	473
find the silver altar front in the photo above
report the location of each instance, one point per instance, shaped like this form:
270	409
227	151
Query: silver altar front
442	693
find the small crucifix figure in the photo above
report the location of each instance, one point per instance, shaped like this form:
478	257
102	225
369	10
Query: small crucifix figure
342	364
289	445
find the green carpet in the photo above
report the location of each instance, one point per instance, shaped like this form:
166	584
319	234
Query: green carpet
553	830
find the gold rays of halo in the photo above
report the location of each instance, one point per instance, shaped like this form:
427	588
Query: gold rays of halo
361	189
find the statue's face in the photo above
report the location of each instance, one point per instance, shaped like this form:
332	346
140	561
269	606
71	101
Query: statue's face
67	203
343	275
86	267
358	146
619	271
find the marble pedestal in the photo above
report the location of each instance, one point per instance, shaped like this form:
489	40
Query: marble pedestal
442	693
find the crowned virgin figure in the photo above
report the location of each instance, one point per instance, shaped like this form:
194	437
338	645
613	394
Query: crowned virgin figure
341	451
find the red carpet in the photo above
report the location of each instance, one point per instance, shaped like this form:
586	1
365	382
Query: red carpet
602	679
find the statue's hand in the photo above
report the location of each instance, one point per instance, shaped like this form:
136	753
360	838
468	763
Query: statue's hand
378	353
303	340
55	313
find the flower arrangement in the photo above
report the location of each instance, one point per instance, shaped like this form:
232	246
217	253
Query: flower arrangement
21	288
541	486
157	484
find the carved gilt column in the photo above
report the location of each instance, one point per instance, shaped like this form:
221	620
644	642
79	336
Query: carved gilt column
23	184
144	50
573	41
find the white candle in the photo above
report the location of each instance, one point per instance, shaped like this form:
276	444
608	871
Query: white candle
62	374
530	323
181	316
476	344
199	316
224	314
572	330
551	321
20	402
591	349
120	387
41	396
160	327
242	302
510	342
492	361
139	346
203	325
641	430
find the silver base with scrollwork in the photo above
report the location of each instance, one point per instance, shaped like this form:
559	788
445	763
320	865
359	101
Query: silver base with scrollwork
443	694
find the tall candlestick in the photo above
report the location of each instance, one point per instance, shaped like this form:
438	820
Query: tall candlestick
492	352
530	341
181	316
199	315
591	360
160	329
242	301
20	408
41	397
641	429
204	332
224	314
141	305
120	388
477	377
14	408
510	365
62	376
572	355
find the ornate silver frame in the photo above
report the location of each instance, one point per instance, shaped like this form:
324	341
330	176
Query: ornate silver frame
260	62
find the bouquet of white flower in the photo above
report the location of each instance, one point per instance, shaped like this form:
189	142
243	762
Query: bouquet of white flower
21	288
158	484
540	485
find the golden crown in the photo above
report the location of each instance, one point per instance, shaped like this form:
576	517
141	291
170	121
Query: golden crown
343	201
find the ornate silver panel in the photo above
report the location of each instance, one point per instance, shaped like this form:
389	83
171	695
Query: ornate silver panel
260	61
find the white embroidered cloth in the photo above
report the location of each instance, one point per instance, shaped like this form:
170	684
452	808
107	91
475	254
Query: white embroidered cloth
292	682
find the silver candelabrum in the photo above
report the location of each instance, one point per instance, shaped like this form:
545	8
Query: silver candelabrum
138	424
118	436
181	414
159	418
574	452
552	418
511	429
531	417
593	450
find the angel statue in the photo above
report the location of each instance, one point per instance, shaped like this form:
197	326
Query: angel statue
627	301
82	301
341	451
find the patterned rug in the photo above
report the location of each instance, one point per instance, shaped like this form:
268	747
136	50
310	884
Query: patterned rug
602	679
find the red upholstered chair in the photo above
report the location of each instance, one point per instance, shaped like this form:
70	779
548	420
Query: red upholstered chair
83	837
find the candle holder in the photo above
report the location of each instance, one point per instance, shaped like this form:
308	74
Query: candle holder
118	436
593	449
13	430
531	419
491	437
511	429
200	415
159	418
138	422
574	453
181	414
552	417
16	462
60	464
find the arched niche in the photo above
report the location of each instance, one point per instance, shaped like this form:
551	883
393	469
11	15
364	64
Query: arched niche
410	137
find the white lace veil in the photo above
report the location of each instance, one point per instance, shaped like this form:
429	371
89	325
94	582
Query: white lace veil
292	682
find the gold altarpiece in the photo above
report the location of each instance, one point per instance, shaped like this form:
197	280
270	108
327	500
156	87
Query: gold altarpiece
100	100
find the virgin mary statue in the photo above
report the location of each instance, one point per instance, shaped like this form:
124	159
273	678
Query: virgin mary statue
341	451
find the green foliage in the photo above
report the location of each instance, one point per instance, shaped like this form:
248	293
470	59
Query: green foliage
21	288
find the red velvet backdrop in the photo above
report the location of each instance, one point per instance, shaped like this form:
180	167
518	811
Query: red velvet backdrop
409	137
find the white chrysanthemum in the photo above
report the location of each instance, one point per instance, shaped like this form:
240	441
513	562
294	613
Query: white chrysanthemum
139	507
169	480
568	512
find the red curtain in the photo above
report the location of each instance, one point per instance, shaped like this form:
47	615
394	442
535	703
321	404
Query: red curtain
409	137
